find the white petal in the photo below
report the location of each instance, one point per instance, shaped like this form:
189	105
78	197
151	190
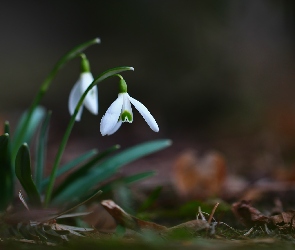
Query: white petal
117	126
150	120
74	98
111	117
91	99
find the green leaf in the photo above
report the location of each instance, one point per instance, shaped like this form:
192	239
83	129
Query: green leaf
150	200
107	168
138	177
127	180
79	173
119	232
80	203
41	147
108	73
6	173
71	165
24	175
37	116
123	181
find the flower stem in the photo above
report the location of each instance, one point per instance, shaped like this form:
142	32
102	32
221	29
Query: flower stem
101	77
44	87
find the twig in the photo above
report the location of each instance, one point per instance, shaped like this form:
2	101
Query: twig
212	213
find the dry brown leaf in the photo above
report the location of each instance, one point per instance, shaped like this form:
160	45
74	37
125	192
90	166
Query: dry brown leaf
196	177
284	220
133	223
248	215
100	219
129	221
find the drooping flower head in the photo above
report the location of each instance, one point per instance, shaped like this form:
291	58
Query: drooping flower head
91	99
120	111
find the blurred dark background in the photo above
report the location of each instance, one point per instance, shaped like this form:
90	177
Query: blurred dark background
203	68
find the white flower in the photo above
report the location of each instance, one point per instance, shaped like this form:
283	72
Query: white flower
121	111
91	99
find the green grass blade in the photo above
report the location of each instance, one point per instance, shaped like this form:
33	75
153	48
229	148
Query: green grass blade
6	173
127	180
123	181
79	173
67	167
24	175
41	148
107	168
80	203
37	116
138	177
150	200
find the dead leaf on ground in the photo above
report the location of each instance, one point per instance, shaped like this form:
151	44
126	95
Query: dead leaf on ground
284	220
248	215
251	217
199	177
100	219
126	220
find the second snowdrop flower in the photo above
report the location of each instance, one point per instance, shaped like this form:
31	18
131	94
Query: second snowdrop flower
120	111
91	99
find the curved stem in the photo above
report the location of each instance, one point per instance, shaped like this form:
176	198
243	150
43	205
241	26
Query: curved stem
44	87
101	77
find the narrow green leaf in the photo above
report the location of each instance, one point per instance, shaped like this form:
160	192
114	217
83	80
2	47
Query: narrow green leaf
150	200
79	173
80	203
37	116
120	231
41	147
67	167
73	215
125	180
108	73
123	196
138	177
128	180
6	173
24	175
107	168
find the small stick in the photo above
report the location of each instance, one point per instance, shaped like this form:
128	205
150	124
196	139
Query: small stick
201	214
212	213
248	232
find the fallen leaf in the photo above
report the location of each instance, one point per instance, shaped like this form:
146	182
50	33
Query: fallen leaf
129	221
284	220
126	220
248	215
199	177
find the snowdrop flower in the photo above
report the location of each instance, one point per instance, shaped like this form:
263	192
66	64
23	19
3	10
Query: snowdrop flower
91	99
121	111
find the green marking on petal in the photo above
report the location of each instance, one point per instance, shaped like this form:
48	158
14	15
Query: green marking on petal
126	116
